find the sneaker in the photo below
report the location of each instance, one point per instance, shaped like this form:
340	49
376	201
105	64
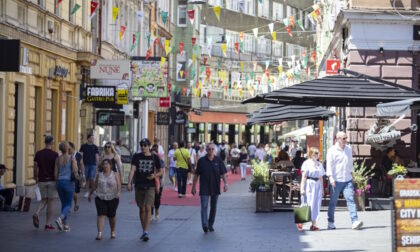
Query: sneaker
66	228
49	227
331	225
205	229
145	237
179	195
86	195
35	220
176	189
211	229
157	217
357	225
59	223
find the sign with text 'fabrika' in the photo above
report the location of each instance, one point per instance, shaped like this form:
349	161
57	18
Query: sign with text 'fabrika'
406	224
100	94
110	69
149	78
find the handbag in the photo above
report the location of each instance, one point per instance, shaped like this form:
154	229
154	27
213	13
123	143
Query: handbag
73	177
303	212
190	166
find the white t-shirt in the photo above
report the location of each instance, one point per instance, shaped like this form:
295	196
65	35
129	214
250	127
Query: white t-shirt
201	153
172	162
260	154
161	152
192	155
235	153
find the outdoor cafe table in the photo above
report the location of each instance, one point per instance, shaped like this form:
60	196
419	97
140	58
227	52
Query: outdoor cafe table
284	176
414	170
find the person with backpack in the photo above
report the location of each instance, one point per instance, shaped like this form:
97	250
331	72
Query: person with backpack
223	152
234	154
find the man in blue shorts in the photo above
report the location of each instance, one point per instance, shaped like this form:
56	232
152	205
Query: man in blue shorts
90	156
172	165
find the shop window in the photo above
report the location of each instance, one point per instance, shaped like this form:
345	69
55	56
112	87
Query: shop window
21	15
40	24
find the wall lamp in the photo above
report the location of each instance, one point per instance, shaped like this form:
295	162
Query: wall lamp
381	50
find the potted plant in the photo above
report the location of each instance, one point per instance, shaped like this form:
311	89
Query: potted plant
260	184
397	170
361	176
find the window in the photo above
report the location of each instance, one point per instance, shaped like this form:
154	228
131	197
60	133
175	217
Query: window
216	2
181	59
277	11
57	31
278	48
288	11
40	24
233	5
248	43
250	7
41	3
21	15
71	37
292	49
182	16
264	9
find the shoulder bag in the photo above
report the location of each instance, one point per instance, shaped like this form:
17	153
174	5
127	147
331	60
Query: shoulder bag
190	166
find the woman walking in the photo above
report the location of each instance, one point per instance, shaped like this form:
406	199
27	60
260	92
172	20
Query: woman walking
111	154
312	185
243	159
158	193
108	191
65	167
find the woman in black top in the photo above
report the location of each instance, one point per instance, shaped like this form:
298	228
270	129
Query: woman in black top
243	159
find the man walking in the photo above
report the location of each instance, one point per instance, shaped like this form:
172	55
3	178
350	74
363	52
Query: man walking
146	166
44	163
90	156
340	173
209	169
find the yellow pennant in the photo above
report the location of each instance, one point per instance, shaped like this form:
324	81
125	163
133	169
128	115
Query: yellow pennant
162	61
194	57
216	10
242	66
181	73
314	15
274	35
168	46
115	11
224	49
280	69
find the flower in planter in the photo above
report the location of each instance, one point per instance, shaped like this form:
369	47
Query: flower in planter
260	179
397	170
361	176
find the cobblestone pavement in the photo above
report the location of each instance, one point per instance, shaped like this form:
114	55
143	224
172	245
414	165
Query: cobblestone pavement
238	228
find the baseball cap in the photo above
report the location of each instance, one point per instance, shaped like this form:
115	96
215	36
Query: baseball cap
145	141
48	139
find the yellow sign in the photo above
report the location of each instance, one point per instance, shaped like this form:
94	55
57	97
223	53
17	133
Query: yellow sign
122	96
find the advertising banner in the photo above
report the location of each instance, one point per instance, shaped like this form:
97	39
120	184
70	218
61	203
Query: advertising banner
149	78
110	69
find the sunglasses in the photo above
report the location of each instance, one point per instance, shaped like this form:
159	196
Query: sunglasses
107	147
143	145
316	153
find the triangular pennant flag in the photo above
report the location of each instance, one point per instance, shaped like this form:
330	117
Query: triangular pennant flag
311	19
162	61
241	46
208	72
219	63
229	65
178	67
289	31
194	57
271	27
75	8
168	47
292	21
190	14
164	16
314	16
280	69
317	12
115	11
93	7
195	48
190	61
267	63
267	73
162	41
224	49
136	37
237	47
204	60
289	64
140	15
251	74
300	24
193	72
122	31
156	41
286	21
181	47
255	31
242	66
241	36
260	1
148	54
315	7
181	73
216	10
193	40
152	40
58	2
255	66
148	36
293	58
274	36
209	47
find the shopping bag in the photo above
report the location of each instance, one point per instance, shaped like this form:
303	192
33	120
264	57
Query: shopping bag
303	212
37	193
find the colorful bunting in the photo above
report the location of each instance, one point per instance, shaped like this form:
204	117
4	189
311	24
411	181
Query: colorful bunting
122	31
162	61
289	31
75	8
255	66
136	37
156	41
164	16
280	68
58	2
274	36
216	10
115	11
181	47
204	60
194	57
181	73
292	21
255	31
237	47
314	15
168	47
224	49
241	36
148	35
208	72
148	54
311	19
286	21
190	61
242	66
267	64
193	40
93	7
190	14
300	24
271	27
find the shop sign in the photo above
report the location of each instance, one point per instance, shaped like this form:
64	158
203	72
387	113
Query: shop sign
122	96
180	117
165	102
162	118
191	130
25	69
61	71
149	78
110	118
100	94
332	66
406	222
110	69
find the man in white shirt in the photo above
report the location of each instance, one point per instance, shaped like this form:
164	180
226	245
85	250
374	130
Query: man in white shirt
260	152
340	173
292	151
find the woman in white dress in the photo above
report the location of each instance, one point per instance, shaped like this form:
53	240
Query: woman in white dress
312	184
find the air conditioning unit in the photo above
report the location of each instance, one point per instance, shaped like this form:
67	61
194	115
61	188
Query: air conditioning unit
50	27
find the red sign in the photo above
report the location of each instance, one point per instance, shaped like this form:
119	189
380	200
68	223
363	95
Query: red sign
332	66
165	102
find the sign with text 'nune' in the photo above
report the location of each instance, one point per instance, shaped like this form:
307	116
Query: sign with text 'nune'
406	224
110	69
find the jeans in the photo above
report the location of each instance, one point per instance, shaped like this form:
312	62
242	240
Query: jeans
348	192
65	190
243	169
208	221
181	175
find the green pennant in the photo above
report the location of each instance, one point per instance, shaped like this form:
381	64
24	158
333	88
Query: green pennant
246	79
300	24
203	68
252	75
136	41
193	72
219	62
305	62
260	1
148	39
164	15
241	46
75	8
196	49
229	85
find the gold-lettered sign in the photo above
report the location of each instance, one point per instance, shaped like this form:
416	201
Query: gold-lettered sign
406	224
122	96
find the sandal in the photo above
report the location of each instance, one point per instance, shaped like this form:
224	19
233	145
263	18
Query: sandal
299	227
99	236
66	228
35	220
76	208
314	228
113	235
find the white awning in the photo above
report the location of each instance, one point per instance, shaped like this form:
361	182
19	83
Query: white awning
396	108
308	130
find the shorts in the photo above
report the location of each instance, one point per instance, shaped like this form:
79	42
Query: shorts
172	172
48	189
106	207
90	172
145	197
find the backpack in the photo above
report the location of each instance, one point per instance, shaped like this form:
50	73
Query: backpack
223	154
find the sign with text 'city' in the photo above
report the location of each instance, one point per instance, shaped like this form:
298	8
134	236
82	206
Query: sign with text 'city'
110	69
407	215
100	94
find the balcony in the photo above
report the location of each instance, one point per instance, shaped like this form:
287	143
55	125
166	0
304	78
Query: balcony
408	5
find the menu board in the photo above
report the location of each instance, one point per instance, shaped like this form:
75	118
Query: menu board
406	224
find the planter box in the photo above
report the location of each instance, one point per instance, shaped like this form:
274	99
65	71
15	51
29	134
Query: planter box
264	201
360	201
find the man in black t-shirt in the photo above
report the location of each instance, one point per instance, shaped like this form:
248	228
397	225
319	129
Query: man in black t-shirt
209	169
90	156
147	167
